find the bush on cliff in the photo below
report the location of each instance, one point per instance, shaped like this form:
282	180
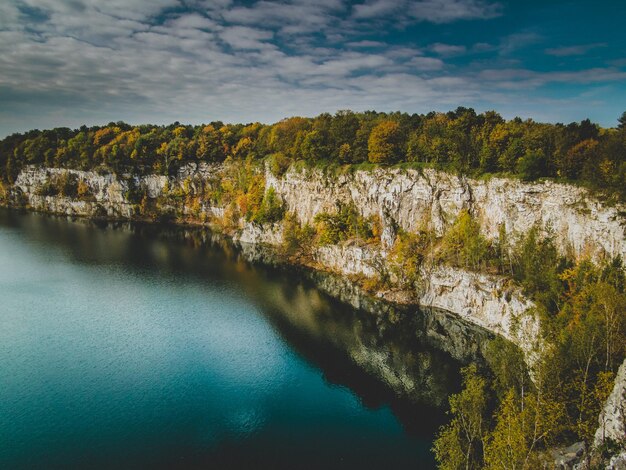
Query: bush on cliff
272	208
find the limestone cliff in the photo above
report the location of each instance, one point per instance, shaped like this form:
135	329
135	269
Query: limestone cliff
401	199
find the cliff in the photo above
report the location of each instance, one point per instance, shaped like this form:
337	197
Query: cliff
401	199
405	198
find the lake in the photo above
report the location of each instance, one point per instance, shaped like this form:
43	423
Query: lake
155	347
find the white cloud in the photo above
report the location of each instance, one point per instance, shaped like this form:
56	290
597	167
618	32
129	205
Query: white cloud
243	37
446	11
447	49
426	63
516	41
525	78
365	44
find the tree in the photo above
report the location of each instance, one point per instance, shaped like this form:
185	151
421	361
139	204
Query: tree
507	363
506	446
272	208
622	121
463	244
526	423
585	152
535	266
313	146
383	144
343	128
459	444
531	165
345	153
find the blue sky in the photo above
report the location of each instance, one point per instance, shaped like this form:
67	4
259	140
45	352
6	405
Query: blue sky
69	62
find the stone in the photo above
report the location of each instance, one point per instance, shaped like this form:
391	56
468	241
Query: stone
565	458
612	421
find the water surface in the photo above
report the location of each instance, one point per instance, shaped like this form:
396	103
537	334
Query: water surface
125	348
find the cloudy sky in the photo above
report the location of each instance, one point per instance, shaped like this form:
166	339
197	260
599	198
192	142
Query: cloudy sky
69	62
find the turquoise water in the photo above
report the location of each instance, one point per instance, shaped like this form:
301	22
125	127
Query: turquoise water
126	348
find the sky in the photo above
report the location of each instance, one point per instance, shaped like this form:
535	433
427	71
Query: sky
74	62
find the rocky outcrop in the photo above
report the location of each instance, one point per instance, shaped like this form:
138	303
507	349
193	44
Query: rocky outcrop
408	199
487	301
566	458
484	300
107	193
612	421
401	199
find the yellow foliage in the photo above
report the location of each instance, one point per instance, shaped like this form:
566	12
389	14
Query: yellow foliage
179	131
242	203
83	189
383	144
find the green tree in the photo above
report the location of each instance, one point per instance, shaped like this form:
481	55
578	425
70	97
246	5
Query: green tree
580	155
536	266
507	447
508	365
272	208
463	243
459	444
313	146
531	165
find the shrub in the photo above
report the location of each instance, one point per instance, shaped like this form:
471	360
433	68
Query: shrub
408	255
272	208
297	239
463	245
48	188
346	223
279	164
67	184
83	191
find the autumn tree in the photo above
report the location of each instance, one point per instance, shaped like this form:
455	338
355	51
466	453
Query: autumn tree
384	143
459	444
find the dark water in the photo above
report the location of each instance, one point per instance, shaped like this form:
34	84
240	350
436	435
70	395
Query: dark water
128	348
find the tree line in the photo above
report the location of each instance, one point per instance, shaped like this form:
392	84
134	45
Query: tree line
459	141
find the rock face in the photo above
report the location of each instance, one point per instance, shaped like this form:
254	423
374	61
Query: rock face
612	421
485	300
107	190
565	458
409	198
401	199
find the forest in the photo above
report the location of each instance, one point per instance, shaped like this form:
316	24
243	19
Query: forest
461	141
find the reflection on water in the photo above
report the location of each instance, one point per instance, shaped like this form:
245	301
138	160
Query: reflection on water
158	346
